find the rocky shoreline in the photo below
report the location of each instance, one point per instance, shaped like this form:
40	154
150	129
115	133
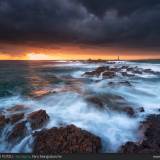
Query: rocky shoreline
150	143
67	139
107	72
71	139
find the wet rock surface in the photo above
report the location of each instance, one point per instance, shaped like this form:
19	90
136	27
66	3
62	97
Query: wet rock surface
38	94
17	124
16	117
96	101
3	121
141	109
18	132
122	83
108	74
112	102
151	140
38	119
130	111
111	72
69	139
17	108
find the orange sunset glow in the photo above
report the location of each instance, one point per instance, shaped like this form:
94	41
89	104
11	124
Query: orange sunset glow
71	52
78	54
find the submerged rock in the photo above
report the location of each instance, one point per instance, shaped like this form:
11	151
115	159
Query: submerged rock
69	139
151	141
38	118
111	102
125	71
17	108
40	93
141	109
109	74
18	132
125	74
150	71
123	83
95	100
129	110
137	72
99	71
3	121
16	117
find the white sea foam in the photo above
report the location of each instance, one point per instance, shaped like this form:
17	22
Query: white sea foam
113	128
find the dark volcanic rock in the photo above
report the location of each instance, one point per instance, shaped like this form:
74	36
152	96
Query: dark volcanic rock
16	117
38	118
69	139
18	132
151	142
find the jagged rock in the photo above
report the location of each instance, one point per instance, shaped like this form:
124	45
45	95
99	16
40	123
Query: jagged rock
69	139
151	140
16	117
18	132
38	118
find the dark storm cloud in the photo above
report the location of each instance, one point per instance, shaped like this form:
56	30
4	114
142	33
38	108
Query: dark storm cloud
117	23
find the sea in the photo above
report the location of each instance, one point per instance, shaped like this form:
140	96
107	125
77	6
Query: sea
60	88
